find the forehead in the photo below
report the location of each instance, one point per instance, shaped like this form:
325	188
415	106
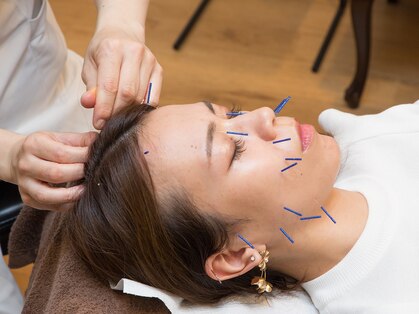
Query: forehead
175	137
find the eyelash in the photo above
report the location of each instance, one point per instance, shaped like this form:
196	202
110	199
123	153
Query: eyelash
239	145
234	109
239	148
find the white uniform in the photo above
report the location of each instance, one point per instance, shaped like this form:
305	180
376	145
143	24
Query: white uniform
380	274
40	89
40	83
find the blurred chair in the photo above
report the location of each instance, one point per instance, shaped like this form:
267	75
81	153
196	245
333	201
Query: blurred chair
10	206
361	21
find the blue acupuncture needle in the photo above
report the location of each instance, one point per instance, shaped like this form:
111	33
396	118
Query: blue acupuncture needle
310	217
245	241
290	166
292	211
328	215
282	104
286	234
283	140
149	92
233	114
237	133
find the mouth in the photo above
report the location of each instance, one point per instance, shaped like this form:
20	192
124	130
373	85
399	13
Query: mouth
306	133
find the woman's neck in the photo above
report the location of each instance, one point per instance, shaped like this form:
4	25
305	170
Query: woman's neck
323	244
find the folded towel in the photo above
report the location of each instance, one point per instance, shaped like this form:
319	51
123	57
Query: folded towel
295	302
60	282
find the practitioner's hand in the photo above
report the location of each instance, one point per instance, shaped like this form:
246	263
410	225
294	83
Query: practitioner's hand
117	70
41	160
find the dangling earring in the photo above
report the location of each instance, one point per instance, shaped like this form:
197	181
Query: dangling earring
260	282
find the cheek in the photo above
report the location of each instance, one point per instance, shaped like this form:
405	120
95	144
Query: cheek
316	176
254	187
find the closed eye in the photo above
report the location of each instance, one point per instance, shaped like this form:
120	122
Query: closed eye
239	149
234	110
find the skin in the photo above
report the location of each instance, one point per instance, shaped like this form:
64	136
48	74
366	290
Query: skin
118	65
253	187
118	68
37	161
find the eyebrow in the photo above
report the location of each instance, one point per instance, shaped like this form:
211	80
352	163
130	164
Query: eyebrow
210	131
209	106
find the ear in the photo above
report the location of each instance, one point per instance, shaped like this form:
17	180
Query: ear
233	263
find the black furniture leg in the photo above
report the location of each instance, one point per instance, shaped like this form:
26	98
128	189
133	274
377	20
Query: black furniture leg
329	36
10	205
192	21
361	20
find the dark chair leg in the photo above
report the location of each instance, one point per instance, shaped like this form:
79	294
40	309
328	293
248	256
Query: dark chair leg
329	36
192	21
10	205
361	20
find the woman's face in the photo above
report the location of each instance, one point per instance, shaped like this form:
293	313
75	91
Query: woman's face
241	177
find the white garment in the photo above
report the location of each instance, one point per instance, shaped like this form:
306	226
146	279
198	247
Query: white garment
11	301
40	82
297	303
380	274
40	88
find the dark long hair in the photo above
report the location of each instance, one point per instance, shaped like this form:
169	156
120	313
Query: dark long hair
121	230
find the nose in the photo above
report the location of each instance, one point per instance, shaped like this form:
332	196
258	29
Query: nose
259	122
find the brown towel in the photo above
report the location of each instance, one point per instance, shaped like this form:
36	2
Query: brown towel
60	282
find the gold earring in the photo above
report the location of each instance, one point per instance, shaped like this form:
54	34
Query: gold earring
260	282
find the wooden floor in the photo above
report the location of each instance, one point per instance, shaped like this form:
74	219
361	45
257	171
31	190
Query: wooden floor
254	53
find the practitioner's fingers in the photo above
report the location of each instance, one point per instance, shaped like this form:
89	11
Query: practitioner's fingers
45	146
88	99
129	81
42	196
44	158
89	76
119	64
108	82
51	172
89	71
76	139
147	65
156	79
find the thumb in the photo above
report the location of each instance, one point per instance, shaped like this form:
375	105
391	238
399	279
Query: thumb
88	99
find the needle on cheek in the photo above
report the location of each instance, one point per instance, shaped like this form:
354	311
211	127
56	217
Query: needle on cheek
288	167
328	215
310	217
292	211
286	234
283	140
245	240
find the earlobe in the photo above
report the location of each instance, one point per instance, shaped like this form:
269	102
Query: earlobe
231	264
